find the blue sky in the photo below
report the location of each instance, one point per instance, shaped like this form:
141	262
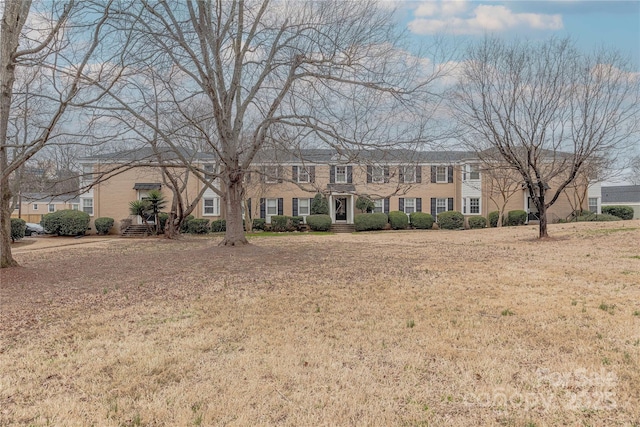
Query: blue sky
589	23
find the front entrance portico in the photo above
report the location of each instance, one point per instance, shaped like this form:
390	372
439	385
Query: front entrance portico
341	208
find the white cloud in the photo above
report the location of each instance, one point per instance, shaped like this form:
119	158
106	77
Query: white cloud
444	16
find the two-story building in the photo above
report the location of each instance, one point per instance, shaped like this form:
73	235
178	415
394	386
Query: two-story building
285	184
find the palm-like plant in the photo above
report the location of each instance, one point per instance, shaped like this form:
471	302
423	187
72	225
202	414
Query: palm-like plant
141	208
157	202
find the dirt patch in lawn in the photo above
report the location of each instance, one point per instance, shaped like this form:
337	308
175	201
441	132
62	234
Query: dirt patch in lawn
478	327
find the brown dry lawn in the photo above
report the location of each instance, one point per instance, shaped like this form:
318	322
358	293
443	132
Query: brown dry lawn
485	327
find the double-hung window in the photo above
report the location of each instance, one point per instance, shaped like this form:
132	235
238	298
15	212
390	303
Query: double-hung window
304	207
378	206
35	206
593	204
341	174
377	174
441	205
441	174
271	207
409	174
409	205
87	206
52	207
303	174
211	206
87	175
474	205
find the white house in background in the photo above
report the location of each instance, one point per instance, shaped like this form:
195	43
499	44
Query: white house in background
622	195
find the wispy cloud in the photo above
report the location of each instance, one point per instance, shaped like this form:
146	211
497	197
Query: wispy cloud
462	17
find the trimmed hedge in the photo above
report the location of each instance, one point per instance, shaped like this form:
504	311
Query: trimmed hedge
184	227
219	226
596	217
398	220
477	222
18	227
319	222
66	222
258	223
622	212
103	225
421	220
198	226
280	223
517	217
451	220
296	222
493	219
370	221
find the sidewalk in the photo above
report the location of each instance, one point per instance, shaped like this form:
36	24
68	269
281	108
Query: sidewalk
29	244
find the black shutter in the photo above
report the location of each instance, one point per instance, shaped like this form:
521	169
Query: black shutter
369	170
433	206
332	175
386	174
295	206
280	205
450	174
386	205
280	170
401	204
450	204
418	174
294	173
419	204
349	174
401	174
433	174
263	208
312	173
249	208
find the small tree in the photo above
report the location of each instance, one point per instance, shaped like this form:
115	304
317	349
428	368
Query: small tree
365	204
156	203
319	205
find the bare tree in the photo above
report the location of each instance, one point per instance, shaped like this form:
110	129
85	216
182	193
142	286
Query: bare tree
547	109
634	173
324	73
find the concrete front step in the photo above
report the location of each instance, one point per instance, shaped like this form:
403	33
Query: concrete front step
342	228
135	231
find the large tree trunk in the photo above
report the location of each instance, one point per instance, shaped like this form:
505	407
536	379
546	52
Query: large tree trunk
234	197
172	226
6	259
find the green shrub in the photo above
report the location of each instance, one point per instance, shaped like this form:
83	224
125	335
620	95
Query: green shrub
598	217
296	222
184	227
319	205
66	222
517	217
319	222
451	220
163	217
365	204
198	226
622	212
421	220
18	227
398	220
493	218
103	225
259	223
370	221
477	222
219	226
280	223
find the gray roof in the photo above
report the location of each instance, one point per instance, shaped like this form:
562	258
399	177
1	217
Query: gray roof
621	194
148	154
331	156
48	198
